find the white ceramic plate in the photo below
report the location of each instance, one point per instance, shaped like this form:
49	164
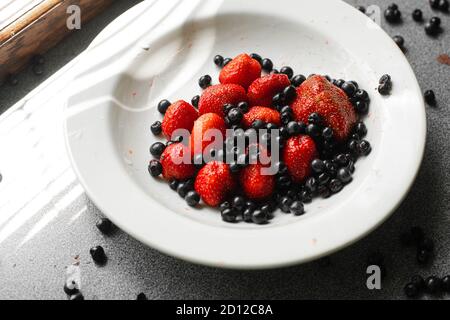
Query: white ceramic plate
160	48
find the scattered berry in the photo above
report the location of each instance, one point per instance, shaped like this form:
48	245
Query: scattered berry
141	296
411	290
98	254
218	60
156	128
157	149
192	198
155	168
267	65
385	86
298	80
417	15
430	97
195	100
71	287
432	284
287	71
393	14
77	296
104	225
163	105
204	81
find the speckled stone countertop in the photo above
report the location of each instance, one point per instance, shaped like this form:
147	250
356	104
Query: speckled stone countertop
47	222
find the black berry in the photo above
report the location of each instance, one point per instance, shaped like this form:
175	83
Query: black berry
317	166
293	128
298	80
313	130
163	105
423	256
38	69
229	215
392	14
104	225
77	296
37	60
267	65
289	93
287	71
157	149
417	15
218	60
434	4
141	296
155	168
349	88
297	208
430	97
361	8
445	284
400	41
70	287
443	5
364	147
243	106
327	133
226	61
361	129
384	88
173	184
192	198
257	57
432	284
335	185
315	118
235	115
98	254
411	290
344	175
195	100
260	216
204	81
156	128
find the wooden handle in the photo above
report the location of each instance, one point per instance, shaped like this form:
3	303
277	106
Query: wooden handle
39	29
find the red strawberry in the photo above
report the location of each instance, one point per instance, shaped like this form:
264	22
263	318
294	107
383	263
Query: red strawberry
179	115
176	162
242	70
215	97
201	126
254	184
317	94
298	153
262	90
214	182
261	113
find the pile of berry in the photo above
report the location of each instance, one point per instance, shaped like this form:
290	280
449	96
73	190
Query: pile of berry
313	123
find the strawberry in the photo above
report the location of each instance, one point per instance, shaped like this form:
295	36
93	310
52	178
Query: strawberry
242	70
214	182
254	184
265	114
215	97
262	90
317	94
176	162
179	115
201	126
298	153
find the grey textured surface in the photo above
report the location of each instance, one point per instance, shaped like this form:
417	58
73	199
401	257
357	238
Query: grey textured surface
36	269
